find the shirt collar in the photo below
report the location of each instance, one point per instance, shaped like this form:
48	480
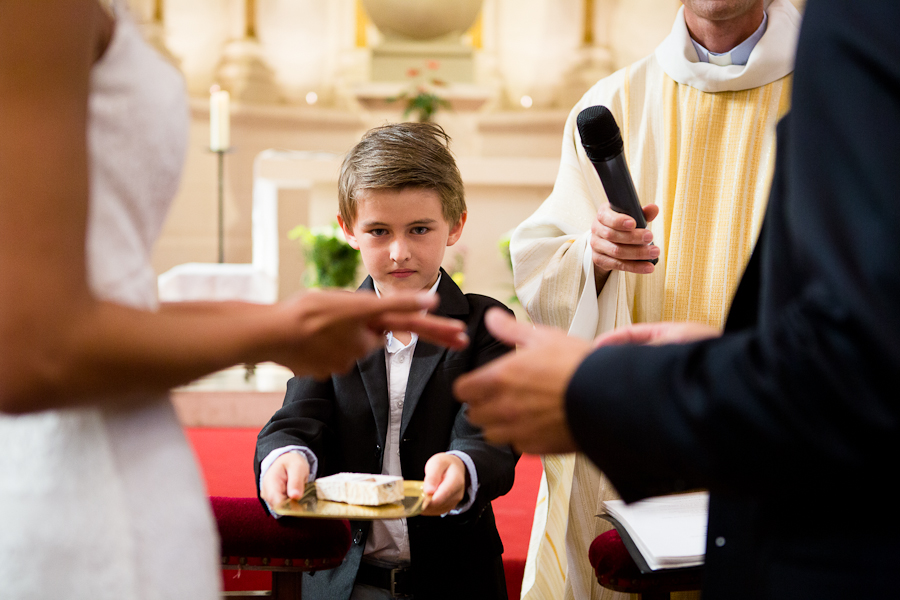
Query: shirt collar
392	344
739	55
433	289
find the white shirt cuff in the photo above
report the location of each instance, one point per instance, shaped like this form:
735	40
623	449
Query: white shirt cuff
274	454
473	483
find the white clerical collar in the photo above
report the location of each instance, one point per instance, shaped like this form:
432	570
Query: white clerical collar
771	58
739	55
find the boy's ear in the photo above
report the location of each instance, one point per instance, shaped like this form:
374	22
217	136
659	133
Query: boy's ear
457	229
348	233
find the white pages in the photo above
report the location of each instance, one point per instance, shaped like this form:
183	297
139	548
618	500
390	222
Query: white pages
669	531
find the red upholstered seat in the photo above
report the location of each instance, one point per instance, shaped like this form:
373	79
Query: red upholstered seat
248	530
617	571
253	540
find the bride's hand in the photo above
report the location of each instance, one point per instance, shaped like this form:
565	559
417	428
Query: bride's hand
327	332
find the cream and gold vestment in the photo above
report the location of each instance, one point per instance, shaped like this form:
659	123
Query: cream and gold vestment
700	143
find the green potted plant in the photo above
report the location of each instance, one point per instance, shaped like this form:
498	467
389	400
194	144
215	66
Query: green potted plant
330	261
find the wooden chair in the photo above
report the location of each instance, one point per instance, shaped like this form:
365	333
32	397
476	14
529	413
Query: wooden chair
252	540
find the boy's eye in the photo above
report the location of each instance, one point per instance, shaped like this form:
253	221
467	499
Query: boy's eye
378	232
420	230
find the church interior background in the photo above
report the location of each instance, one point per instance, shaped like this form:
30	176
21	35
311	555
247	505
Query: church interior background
307	78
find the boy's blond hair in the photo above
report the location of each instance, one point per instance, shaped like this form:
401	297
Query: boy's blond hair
402	155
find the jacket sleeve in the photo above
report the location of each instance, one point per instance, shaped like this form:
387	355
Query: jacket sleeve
303	420
495	465
548	248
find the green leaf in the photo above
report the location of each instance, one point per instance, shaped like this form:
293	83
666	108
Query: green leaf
331	262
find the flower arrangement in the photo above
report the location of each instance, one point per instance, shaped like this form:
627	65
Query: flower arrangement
331	262
422	98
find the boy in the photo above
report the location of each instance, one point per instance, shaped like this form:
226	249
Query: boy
401	205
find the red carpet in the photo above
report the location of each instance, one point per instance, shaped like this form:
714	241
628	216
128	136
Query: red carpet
226	458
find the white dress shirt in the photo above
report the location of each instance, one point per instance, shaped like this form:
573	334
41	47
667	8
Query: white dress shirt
388	540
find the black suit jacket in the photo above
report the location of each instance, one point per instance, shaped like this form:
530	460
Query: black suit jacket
344	421
790	418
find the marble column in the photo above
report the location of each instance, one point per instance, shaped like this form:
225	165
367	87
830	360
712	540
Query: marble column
537	43
243	70
150	15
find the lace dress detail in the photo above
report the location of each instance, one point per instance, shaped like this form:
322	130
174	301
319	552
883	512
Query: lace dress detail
95	503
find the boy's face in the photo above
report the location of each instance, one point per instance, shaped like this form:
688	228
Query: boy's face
402	235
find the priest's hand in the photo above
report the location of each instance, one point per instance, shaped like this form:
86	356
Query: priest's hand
445	479
519	399
617	244
286	478
658	334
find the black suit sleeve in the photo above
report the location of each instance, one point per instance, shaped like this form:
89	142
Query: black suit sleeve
799	393
301	421
495	465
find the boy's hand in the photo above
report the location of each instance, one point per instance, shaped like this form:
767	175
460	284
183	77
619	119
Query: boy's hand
286	478
445	479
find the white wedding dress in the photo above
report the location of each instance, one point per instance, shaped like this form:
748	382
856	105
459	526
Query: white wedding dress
109	504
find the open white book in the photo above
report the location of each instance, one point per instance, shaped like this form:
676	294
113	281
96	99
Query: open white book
668	531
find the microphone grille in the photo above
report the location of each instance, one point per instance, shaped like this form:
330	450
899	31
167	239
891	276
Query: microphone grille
599	133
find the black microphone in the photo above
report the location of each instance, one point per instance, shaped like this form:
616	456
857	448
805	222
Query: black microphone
603	145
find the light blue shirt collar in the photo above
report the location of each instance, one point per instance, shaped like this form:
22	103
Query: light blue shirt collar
739	55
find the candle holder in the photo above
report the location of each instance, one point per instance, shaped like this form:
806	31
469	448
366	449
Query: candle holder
220	143
220	154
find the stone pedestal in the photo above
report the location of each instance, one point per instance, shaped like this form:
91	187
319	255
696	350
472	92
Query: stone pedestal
244	73
462	98
450	61
423	35
594	63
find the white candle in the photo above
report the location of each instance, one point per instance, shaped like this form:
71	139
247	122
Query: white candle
219	120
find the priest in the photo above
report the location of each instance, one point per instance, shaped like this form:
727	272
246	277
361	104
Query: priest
697	119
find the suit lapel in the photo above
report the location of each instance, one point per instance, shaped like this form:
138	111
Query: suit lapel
428	356
425	361
374	377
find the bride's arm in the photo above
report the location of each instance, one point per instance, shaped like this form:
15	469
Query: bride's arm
59	345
